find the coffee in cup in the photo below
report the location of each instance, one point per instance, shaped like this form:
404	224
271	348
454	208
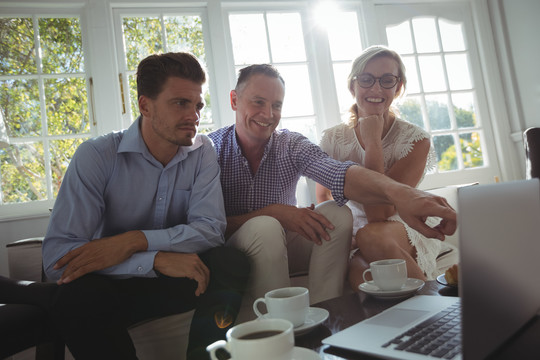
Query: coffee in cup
390	274
262	339
290	303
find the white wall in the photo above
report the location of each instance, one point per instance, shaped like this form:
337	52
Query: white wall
522	30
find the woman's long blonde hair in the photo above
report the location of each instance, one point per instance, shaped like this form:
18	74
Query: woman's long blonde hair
358	67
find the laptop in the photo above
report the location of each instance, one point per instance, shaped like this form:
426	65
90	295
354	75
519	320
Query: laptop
499	250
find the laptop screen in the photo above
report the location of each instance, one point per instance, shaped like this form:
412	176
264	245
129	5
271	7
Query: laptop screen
499	265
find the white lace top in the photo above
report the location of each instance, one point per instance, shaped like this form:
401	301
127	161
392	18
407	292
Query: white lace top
341	143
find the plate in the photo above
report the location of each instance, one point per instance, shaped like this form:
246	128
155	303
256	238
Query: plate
442	280
300	353
411	286
315	316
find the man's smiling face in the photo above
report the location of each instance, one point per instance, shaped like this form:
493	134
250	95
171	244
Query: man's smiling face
258	105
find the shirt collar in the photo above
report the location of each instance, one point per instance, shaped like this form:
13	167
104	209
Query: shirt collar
237	148
132	141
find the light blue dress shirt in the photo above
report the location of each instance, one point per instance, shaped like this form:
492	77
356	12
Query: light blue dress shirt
113	185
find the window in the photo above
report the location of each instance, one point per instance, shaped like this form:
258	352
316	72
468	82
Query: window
345	45
441	98
436	44
44	103
157	32
277	37
67	75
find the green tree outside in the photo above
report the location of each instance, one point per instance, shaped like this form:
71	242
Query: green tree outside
445	145
47	126
44	102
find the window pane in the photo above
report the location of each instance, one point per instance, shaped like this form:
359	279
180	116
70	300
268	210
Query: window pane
425	35
399	38
471	150
184	33
464	110
298	97
142	37
413	86
286	37
458	71
410	109
61	45
19	102
431	69
23	183
61	153
23	172
345	99
66	100
17	52
446	152
133	100
451	35
343	36
206	113
437	107
304	126
249	39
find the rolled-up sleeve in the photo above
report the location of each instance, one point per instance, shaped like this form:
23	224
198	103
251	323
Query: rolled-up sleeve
318	166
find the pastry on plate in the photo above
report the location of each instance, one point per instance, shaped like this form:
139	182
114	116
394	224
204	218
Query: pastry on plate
451	275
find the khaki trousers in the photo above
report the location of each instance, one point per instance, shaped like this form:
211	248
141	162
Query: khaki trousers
276	254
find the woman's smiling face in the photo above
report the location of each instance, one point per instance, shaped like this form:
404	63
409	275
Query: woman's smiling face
376	100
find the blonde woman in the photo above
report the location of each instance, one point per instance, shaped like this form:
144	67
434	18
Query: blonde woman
377	139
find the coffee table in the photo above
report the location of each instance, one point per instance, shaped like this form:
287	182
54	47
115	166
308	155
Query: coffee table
352	308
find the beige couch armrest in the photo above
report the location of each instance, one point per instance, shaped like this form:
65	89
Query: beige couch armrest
24	259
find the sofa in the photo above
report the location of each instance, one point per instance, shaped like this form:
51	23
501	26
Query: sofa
166	338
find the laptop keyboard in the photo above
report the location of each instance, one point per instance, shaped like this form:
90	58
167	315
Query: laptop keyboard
438	336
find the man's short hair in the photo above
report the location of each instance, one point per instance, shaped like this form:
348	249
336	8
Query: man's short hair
154	70
249	71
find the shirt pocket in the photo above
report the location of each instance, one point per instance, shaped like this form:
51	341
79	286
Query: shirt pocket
181	196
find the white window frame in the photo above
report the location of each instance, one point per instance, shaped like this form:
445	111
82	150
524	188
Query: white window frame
39	207
393	14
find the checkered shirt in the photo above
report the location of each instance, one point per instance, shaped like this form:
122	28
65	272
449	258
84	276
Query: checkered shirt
287	157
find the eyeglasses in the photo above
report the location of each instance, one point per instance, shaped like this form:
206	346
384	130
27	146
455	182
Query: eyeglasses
367	80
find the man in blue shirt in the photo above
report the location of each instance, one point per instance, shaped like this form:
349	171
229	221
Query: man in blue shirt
260	168
137	227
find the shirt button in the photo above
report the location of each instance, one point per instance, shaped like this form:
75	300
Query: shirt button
139	268
160	199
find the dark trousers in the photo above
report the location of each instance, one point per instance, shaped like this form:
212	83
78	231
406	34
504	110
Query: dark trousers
24	326
92	313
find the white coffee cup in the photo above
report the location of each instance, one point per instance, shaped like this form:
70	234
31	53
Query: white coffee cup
290	303
262	339
389	274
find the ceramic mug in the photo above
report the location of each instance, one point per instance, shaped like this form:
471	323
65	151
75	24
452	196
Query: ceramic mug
390	274
290	303
262	339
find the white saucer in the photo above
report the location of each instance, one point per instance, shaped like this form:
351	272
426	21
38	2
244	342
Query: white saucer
315	316
442	280
300	353
411	286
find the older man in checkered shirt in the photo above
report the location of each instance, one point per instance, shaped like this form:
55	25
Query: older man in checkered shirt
260	168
